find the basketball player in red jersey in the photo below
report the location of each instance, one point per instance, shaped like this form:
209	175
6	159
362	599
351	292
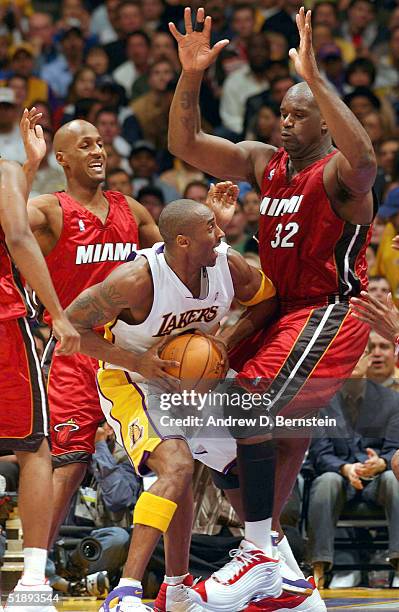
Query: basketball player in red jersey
316	209
84	233
24	410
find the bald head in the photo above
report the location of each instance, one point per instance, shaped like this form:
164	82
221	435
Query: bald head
69	134
181	217
301	92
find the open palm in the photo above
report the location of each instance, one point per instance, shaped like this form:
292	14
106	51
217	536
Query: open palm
32	136
195	52
304	59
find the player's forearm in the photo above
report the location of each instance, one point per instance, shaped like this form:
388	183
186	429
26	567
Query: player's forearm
346	131
30	170
252	320
94	345
185	115
28	257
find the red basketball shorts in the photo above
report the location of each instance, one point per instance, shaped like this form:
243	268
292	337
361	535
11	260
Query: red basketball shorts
75	411
24	409
302	359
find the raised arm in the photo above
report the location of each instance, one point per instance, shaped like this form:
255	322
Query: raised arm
351	173
215	156
34	144
26	253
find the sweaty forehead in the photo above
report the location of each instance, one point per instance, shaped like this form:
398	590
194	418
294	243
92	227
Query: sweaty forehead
71	133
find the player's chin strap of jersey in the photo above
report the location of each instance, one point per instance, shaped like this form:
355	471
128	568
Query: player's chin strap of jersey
154	511
265	291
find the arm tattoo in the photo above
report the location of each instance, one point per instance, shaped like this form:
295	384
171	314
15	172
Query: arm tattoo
85	311
188	100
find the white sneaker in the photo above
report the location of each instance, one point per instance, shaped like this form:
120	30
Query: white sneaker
345	580
289	602
39	595
395	582
250	573
127	599
176	598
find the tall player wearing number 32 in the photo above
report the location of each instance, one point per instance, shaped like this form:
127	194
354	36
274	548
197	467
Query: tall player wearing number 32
316	209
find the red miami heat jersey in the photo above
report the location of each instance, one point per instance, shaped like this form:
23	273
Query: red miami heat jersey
88	250
306	250
12	301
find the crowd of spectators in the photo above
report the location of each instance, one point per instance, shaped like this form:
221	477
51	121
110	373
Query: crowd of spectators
115	64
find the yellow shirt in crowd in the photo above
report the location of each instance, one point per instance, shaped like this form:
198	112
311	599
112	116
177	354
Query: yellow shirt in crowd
387	263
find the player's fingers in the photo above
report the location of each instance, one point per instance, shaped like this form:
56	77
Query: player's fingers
168	363
174	31
293	53
217	48
39	131
187	20
207	26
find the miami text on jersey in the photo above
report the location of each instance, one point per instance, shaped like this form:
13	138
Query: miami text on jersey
109	251
274	207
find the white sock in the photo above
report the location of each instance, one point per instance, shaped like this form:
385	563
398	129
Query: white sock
259	533
130	582
34	565
285	549
174	580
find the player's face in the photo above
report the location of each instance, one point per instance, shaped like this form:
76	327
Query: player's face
206	236
300	124
86	156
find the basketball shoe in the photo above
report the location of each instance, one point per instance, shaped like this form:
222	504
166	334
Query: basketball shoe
250	573
40	596
288	602
176	598
125	599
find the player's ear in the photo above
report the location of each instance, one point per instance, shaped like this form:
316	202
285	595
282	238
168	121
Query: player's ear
59	156
182	241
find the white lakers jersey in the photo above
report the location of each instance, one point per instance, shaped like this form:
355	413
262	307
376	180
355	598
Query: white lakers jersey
174	309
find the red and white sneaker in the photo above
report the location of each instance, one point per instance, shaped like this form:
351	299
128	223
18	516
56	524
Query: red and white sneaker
176	598
250	573
288	602
30	598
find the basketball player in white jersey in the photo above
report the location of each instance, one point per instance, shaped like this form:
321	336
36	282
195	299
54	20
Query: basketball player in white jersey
185	283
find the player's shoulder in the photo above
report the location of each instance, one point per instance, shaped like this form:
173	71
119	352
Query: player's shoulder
133	276
44	201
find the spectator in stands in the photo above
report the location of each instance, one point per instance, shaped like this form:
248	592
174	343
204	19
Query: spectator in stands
152	14
46	120
221	28
152	109
361	27
163	46
129	18
59	73
362	101
378	288
352	461
250	208
329	58
153	200
98	60
284	21
19	85
181	175
22	63
138	45
73	12
9	469
326	14
263	124
143	163
110	130
387	256
382	363
375	127
235	234
386	156
11	145
83	86
197	190
243	83
103	23
41	36
388	64
119	180
269	97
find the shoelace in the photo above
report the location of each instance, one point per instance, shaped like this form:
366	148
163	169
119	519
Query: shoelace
240	558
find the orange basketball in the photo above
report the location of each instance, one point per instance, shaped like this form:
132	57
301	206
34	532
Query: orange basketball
200	361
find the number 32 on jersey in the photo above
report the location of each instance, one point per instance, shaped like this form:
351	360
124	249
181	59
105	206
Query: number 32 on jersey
283	235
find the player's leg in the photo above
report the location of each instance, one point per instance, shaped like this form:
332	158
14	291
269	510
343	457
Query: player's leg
24	400
74	416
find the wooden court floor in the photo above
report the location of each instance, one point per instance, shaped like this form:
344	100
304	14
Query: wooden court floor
356	600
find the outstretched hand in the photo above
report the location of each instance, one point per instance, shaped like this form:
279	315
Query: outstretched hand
32	136
304	59
195	52
222	199
382	317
